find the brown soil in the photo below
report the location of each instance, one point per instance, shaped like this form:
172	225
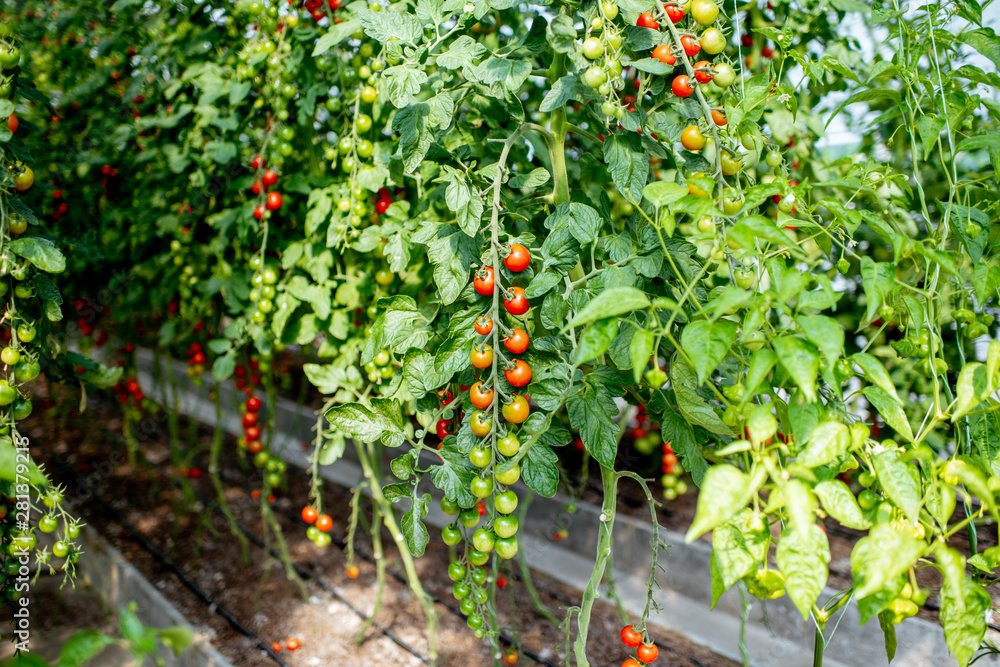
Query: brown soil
258	593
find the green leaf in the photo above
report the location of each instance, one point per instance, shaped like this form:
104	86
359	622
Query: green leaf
825	332
885	621
800	359
460	53
419	374
540	469
415	138
454	475
462	200
986	42
540	285
882	556
675	430
973	387
803	555
596	340
890	410
761	363
986	279
694	408
737	550
610	303
877	278
592	414
403	84
664	193
41	252
569	87
758	227
963	616
929	127
827	441
414	530
865	96
627	163
82	647
900	482
838	501
725	491
132	629
875	371
707	343
337	33
177	638
360	422
389	25
532	179
640	351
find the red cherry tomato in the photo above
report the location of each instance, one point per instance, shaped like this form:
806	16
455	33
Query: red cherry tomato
445	397
270	177
252	433
274	201
481	397
664	55
631	637
690	44
253	404
517	341
674	12
324	523
484	281
719	117
681	86
292	644
705	74
382	205
518	259
519	375
484	325
259	212
12	123
646	20
257	162
309	514
518	303
249	419
647	653
443	428
517	410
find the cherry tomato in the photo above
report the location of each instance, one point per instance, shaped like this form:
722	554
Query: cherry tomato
703	71
292	644
353	572
674	12
309	514
681	87
518	259
484	281
24	179
517	341
646	20
270	177
510	657
249	419
664	55
324	523
692	138
443	428
690	45
647	653
480	423
445	396
481	356
12	123
274	201
519	375
719	117
704	11
631	637
517	410
518	303
484	325
509	445
253	404
481	397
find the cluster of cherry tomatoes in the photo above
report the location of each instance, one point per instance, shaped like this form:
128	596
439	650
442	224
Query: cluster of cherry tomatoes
319	529
274	467
248	381
291	644
645	652
130	391
15	542
273	201
262	290
381	367
196	361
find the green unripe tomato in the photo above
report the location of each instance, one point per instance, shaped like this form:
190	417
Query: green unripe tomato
505	502
460	590
480	457
9	356
363	123
509	445
483	540
610	10
506	547
594	77
774	159
451	534
477	557
456	571
505	526
593	48
509	477
469	518
481	487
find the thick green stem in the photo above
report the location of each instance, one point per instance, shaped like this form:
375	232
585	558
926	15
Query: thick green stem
818	647
610	481
412	578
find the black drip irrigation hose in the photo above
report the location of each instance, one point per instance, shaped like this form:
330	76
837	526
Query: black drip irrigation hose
213	605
